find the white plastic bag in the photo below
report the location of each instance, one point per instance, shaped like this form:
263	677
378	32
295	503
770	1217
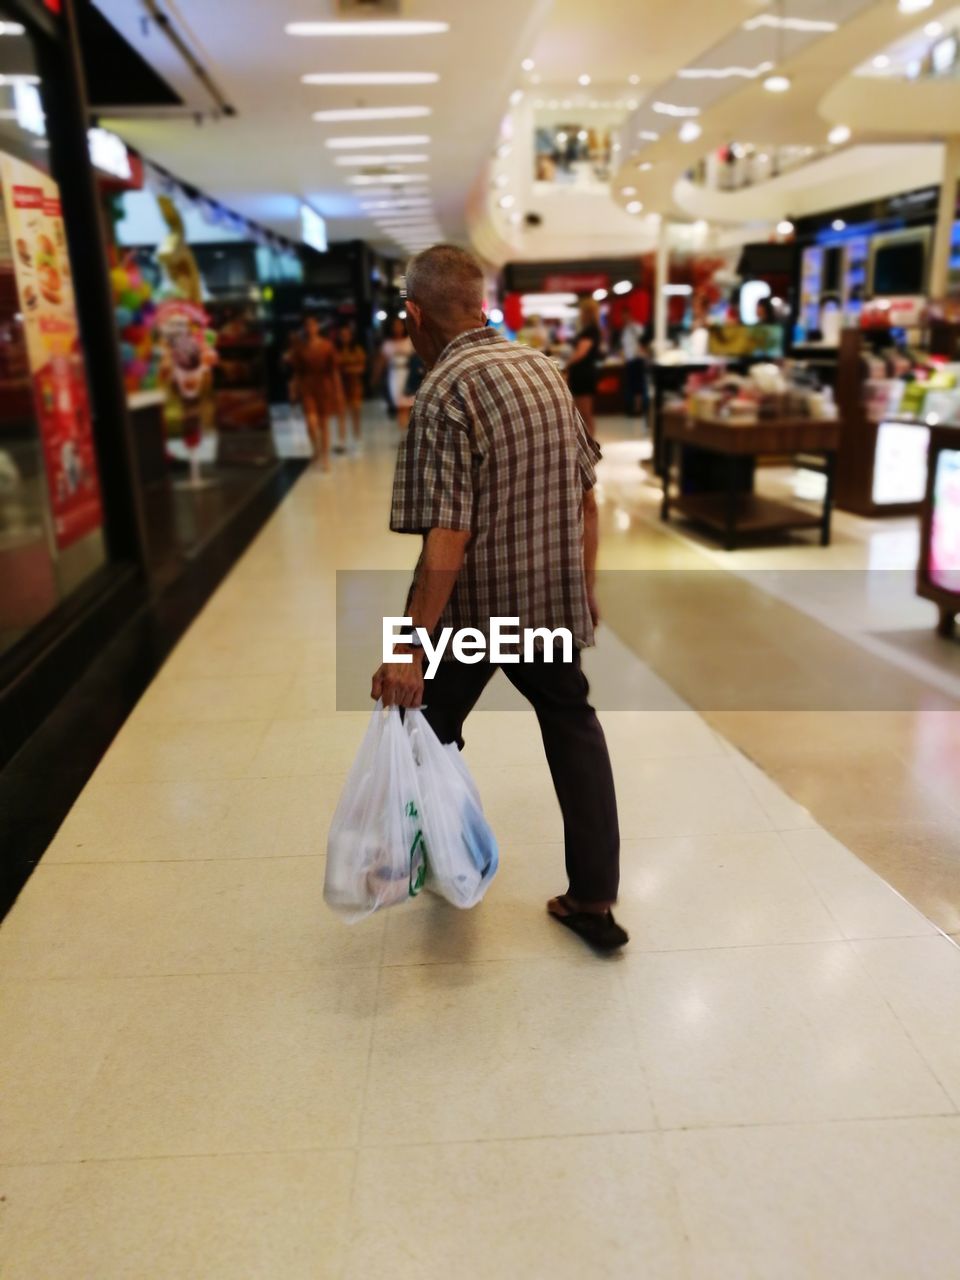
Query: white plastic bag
462	856
376	852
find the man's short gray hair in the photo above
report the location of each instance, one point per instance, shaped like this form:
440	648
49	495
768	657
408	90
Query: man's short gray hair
447	282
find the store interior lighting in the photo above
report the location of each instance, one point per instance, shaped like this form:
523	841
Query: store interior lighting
347	162
370	78
383	140
348	115
368	27
725	73
622	287
690	131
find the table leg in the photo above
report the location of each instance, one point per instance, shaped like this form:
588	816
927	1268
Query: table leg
947	622
730	533
667	469
831	460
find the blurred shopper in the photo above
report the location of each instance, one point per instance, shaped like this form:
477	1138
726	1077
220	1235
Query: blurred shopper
635	368
352	363
497	474
395	356
315	370
582	365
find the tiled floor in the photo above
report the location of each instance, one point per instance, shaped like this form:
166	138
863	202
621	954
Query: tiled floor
205	1074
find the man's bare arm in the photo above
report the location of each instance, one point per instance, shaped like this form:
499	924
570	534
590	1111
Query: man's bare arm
591	543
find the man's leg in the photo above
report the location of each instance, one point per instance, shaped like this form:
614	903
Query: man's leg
582	777
451	695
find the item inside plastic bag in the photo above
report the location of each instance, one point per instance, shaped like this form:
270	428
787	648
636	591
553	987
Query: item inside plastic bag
376	850
409	817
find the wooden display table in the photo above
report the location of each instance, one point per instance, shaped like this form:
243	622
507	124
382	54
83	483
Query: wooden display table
732	507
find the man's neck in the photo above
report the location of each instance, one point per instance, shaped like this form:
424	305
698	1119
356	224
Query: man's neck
439	341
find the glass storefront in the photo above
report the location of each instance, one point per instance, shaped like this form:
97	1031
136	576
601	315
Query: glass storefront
51	516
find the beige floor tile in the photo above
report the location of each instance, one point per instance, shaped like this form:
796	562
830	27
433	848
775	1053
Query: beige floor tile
763	1035
718	891
228	654
29	1195
871	1198
567	1209
685	797
303	748
507	1050
230	1063
784	813
123	919
212	698
262	1217
920	980
861	903
168	752
55	1036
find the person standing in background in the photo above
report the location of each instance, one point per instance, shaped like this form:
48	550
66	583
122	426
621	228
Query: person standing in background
352	362
582	365
635	368
395	355
315	368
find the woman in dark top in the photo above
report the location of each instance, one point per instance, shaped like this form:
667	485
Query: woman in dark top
582	365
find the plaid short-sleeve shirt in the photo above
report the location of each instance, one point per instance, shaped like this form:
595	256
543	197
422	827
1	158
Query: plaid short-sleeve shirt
496	447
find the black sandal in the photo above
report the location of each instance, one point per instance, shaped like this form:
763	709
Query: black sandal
599	931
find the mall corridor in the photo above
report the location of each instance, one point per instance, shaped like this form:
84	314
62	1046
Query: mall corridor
209	1076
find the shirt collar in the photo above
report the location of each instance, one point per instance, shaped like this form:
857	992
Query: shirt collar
472	338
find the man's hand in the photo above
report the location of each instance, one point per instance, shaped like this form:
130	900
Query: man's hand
593	606
400	684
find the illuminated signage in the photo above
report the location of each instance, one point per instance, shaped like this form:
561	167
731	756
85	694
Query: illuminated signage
313	229
28	108
108	153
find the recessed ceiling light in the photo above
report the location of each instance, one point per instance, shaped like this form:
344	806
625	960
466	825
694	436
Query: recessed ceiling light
633	79
516	97
375	179
785	228
528	64
584	79
701	227
838	135
12	29
646	166
399	158
838	224
370	77
672	109
881	61
788	24
635	206
599	295
506	202
628	191
690	131
18	77
622	287
387	140
725	73
914	6
648	135
368	27
346	114
933	29
777	84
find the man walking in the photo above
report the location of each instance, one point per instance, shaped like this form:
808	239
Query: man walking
496	473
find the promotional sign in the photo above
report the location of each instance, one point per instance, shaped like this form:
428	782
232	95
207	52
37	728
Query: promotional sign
900	463
42	271
188	347
943	569
577	282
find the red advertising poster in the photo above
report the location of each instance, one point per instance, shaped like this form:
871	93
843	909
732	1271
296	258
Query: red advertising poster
576	282
42	272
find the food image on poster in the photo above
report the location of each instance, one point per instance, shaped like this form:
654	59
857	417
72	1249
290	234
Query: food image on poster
185	370
943	569
42	272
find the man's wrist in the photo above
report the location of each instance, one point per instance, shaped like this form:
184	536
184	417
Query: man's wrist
415	650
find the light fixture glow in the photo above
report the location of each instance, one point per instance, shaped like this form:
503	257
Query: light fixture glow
838	135
635	206
785	228
507	202
678	290
496	315
368	27
788	24
385	140
622	287
370	77
646	166
583	80
391	179
516	97
633	79
528	64
400	158
777	84
599	295
344	115
881	62
648	135
16	77
672	109
933	29
690	131
628	191
914	6
725	73
838	224
12	29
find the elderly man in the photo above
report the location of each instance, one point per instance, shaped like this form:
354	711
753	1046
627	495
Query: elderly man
496	473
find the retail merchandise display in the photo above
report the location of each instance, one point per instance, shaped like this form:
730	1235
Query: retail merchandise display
767	391
135	312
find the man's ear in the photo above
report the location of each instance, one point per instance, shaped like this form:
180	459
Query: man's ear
414	312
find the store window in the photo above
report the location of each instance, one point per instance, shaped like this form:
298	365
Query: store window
51	537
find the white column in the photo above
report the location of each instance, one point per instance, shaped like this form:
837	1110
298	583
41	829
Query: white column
940	265
660	297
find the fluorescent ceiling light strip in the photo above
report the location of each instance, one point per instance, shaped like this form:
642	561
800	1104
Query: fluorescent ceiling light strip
387	140
368	27
725	73
671	109
377	179
370	77
788	24
353	161
347	115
